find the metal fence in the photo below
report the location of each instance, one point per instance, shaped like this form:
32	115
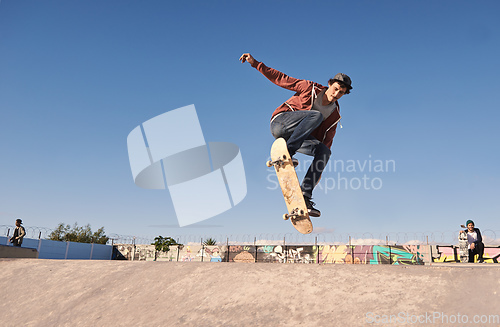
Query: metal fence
490	237
31	231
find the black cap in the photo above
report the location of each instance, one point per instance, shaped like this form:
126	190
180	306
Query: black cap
19	221
344	79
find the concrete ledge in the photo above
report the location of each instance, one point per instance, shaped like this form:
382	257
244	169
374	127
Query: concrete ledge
7	251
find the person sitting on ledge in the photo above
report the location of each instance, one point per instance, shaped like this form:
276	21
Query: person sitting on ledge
476	245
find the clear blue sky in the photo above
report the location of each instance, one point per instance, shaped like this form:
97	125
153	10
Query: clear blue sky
77	76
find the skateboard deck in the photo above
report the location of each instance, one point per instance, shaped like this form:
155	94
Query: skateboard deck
463	246
289	183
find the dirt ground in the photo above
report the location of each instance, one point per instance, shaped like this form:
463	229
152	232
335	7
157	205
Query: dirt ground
132	293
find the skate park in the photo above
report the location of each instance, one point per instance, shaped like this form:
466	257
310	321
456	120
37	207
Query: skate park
247	285
140	293
148	119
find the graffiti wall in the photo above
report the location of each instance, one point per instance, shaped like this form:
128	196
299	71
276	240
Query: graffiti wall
287	254
272	254
450	253
324	254
201	253
321	254
373	254
242	253
143	252
134	252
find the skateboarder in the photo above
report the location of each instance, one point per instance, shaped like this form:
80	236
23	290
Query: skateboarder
476	245
307	121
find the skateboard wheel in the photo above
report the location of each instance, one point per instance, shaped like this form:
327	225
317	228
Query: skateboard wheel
285	216
269	163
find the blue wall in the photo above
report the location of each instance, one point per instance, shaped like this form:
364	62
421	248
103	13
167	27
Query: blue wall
65	250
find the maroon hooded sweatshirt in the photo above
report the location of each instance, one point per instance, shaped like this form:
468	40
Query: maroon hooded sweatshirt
305	94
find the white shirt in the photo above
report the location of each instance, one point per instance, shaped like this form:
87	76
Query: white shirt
471	237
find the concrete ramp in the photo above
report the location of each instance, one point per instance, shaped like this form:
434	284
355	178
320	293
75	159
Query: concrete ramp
131	293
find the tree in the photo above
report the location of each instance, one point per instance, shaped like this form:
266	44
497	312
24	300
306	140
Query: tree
80	234
162	244
210	241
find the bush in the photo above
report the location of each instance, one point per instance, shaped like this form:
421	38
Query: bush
78	234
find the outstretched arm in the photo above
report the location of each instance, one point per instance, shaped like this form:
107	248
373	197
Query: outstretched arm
275	76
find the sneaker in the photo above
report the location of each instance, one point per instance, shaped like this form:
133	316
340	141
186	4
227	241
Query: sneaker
313	212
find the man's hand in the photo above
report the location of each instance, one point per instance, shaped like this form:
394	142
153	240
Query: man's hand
472	246
247	57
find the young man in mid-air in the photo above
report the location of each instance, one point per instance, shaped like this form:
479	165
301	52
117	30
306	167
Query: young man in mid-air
307	121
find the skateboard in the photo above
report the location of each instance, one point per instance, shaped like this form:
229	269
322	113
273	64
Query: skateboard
463	246
289	183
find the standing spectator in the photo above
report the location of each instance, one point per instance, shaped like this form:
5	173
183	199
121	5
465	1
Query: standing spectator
476	245
19	232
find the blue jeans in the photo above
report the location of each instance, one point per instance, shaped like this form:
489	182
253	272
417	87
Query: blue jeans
296	128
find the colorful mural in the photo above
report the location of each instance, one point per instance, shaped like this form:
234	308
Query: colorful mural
287	254
359	254
201	253
450	253
370	254
447	253
141	252
306	254
242	253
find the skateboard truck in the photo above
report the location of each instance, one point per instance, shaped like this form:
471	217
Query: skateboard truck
278	162
295	213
